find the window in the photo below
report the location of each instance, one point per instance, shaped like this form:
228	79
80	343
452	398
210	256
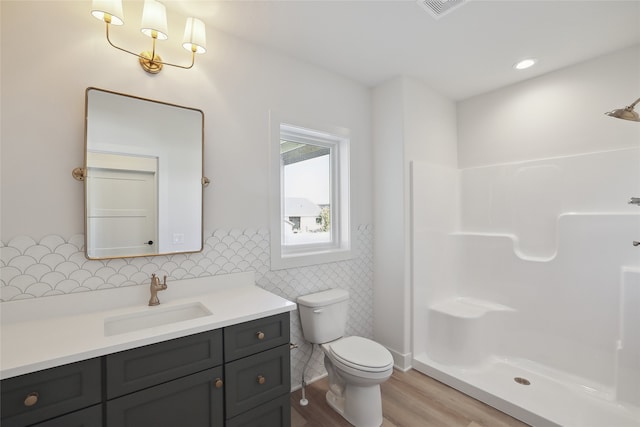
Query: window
310	204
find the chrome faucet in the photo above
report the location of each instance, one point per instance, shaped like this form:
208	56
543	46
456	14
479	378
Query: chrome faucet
155	287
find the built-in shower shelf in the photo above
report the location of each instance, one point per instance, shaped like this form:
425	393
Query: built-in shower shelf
468	307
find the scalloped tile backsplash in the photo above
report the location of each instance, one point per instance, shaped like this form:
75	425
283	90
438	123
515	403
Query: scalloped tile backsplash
55	265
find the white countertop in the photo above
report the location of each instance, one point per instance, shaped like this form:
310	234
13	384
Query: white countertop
45	332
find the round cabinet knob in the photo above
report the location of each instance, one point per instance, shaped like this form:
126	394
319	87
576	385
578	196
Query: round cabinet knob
31	399
260	335
261	379
218	383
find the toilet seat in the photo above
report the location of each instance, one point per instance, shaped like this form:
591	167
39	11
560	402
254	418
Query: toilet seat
361	354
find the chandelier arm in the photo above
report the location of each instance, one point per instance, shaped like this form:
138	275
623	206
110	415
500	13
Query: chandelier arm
118	47
185	67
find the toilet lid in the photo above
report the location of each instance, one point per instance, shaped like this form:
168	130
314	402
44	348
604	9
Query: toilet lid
362	353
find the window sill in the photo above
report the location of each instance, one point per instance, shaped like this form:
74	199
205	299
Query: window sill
294	260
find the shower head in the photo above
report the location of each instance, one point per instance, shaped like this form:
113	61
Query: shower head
626	113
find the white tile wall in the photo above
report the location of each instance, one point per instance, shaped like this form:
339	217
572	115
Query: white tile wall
55	265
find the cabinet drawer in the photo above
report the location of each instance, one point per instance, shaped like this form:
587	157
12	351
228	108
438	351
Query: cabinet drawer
88	417
276	413
252	337
257	379
192	401
143	367
59	390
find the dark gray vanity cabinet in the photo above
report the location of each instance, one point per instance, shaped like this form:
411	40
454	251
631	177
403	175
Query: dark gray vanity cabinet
258	373
236	376
51	393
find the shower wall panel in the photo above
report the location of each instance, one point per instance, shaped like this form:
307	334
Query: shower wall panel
547	239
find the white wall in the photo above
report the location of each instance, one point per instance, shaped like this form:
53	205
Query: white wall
390	276
557	114
410	122
234	83
430	125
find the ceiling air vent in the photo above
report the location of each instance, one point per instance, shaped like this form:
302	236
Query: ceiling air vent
439	8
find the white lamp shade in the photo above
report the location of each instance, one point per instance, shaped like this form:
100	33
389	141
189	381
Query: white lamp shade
195	36
113	8
154	18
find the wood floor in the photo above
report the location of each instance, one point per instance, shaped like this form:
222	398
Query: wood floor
409	399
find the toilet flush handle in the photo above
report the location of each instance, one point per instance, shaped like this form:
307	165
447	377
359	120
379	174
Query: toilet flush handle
318	311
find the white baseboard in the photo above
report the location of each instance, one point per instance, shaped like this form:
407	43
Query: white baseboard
401	361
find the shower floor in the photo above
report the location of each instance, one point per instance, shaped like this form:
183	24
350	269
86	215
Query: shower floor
551	399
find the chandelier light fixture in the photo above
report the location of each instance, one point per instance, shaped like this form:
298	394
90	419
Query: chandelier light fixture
154	25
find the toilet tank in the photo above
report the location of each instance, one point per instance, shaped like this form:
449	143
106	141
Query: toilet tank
323	315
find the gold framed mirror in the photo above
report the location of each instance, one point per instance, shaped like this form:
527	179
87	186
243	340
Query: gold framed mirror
143	176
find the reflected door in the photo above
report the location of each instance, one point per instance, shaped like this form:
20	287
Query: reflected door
122	207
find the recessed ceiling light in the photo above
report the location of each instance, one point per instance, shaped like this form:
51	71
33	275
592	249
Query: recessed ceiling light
525	63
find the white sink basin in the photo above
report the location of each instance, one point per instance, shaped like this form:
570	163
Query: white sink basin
154	316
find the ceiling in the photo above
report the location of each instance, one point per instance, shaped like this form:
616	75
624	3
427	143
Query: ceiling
466	52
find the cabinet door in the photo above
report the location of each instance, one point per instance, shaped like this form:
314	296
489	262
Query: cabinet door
276	413
88	417
257	379
46	394
192	401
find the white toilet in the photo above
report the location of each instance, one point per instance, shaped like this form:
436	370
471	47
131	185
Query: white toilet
356	366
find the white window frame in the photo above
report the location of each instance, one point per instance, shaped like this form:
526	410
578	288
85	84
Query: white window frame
339	249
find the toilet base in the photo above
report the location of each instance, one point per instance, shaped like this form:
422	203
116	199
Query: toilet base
361	406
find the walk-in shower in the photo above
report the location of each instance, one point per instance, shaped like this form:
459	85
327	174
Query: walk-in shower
526	285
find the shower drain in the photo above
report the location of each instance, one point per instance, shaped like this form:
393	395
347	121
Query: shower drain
522	381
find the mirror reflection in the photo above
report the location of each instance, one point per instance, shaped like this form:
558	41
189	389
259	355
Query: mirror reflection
143	176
